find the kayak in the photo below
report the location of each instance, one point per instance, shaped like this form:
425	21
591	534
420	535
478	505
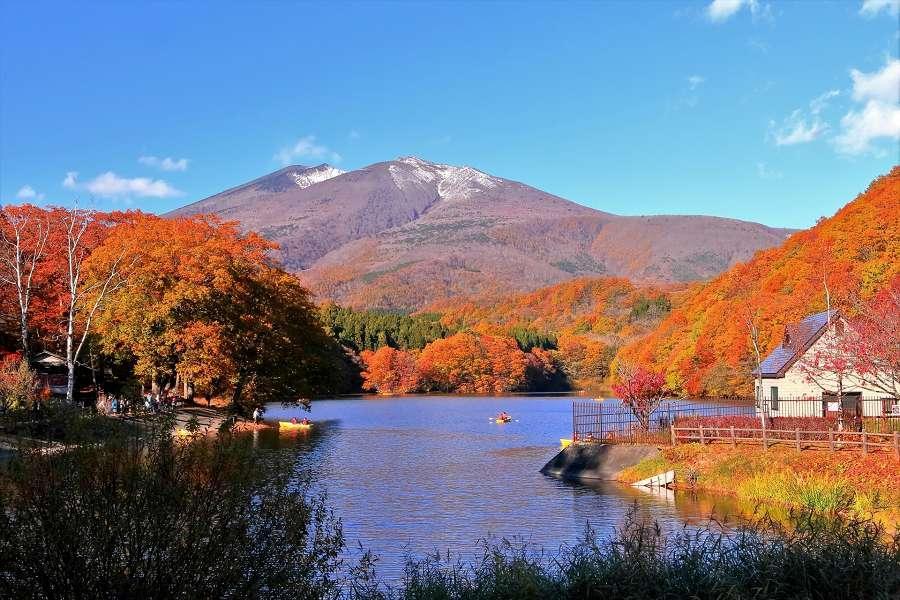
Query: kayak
500	420
289	425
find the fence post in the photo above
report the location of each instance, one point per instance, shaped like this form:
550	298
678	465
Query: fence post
701	435
897	445
865	445
765	443
831	440
797	435
733	441
672	431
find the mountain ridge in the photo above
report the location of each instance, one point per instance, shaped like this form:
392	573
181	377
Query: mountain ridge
407	232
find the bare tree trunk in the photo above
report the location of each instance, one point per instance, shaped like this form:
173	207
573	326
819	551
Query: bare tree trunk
83	298
70	358
19	265
758	392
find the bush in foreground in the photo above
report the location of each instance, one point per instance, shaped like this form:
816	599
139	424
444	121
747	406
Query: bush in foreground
814	557
211	518
159	518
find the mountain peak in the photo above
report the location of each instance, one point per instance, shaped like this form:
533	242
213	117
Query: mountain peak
451	181
304	177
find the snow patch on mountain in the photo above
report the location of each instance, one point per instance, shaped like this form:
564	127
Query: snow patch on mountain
450	181
308	177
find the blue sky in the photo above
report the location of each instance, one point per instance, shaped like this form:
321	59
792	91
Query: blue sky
768	111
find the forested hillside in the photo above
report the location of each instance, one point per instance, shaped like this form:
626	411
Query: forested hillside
703	345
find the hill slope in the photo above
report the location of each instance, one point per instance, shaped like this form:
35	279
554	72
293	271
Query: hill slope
703	345
405	233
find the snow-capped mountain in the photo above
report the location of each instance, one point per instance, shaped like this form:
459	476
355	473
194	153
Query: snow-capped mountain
405	232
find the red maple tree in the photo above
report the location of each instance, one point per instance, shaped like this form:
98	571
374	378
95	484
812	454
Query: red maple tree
640	389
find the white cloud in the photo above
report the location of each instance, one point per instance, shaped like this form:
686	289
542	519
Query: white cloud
110	185
800	128
719	11
695	80
759	45
765	172
879	117
820	103
872	8
306	147
69	181
797	129
859	128
26	192
165	164
883	85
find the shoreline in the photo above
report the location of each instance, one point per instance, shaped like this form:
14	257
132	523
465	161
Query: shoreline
782	479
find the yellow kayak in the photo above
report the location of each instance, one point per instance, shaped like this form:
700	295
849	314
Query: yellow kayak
502	421
290	425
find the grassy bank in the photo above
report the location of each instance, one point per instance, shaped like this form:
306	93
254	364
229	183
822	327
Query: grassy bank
828	482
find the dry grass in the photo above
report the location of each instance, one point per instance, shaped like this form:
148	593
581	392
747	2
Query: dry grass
818	480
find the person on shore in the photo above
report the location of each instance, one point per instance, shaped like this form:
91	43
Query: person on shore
114	405
257	414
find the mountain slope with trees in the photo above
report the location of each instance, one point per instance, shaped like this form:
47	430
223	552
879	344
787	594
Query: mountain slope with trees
704	345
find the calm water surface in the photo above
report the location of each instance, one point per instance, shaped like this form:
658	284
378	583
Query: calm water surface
415	474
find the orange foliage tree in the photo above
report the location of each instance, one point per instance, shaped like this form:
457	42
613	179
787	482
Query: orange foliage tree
390	371
471	363
24	231
203	303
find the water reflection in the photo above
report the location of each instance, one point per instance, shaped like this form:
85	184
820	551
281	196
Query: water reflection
423	474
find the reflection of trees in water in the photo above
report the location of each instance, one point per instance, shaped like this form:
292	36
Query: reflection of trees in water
605	505
307	447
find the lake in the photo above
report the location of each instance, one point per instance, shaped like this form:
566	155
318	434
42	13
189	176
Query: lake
416	474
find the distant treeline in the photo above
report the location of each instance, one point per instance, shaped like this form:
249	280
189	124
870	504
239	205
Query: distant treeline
374	329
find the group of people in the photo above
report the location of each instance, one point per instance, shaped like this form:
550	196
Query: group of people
152	403
155	403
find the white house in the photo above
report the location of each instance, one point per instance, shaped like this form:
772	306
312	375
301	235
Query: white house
787	389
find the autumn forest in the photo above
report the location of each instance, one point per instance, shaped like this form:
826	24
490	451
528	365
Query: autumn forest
194	304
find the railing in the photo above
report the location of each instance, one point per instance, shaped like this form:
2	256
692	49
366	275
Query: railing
612	422
797	438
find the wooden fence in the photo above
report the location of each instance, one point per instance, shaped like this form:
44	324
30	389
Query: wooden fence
799	439
810	424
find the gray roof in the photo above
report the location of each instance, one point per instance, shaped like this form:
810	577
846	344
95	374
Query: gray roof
798	337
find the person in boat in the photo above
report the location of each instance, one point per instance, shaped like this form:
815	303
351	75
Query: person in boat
304	421
293	420
503	416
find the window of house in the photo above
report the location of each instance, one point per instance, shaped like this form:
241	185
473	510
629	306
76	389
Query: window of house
773	397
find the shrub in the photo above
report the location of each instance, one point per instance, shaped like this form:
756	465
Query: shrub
811	557
156	518
17	383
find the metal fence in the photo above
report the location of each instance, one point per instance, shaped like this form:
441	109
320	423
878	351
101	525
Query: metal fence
611	421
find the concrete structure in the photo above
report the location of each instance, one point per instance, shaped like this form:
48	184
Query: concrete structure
597	461
788	390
